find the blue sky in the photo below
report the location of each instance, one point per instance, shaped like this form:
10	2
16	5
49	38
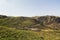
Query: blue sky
30	7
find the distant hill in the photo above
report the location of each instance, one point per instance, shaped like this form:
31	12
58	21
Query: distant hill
40	22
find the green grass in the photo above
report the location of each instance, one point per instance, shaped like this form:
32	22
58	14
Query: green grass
10	28
50	35
13	34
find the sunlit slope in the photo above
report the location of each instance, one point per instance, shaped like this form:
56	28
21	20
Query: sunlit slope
13	34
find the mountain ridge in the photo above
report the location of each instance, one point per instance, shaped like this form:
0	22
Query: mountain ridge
41	22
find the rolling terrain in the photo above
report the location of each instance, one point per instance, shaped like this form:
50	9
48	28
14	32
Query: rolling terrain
29	28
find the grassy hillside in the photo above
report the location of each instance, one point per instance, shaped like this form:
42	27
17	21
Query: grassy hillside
43	22
13	34
24	28
17	22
